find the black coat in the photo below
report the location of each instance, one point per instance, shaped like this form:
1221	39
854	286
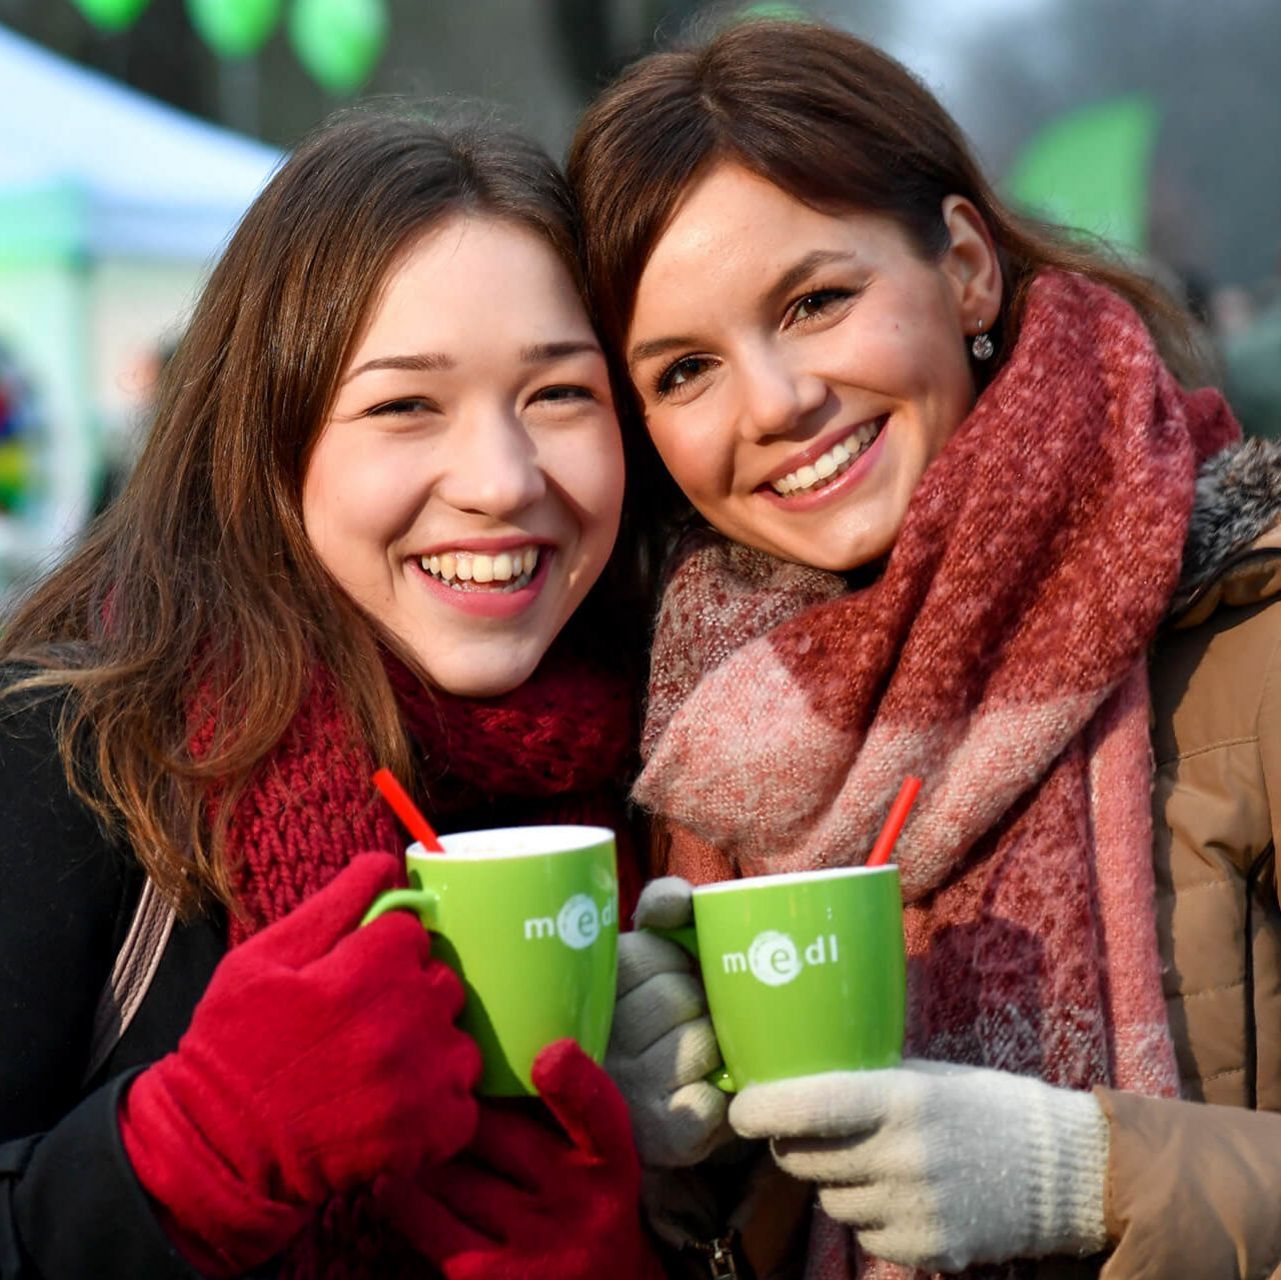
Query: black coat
70	1205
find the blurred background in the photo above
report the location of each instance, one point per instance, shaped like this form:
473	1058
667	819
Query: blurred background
133	134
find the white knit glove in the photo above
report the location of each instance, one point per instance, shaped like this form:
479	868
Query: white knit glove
662	1044
938	1166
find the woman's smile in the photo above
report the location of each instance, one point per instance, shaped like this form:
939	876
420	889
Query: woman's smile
500	584
816	471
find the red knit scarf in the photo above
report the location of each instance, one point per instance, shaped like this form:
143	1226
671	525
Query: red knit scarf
1000	656
556	749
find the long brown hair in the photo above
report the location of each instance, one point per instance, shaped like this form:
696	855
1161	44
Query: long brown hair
831	120
200	577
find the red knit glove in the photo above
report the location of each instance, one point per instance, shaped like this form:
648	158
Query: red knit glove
320	1055
527	1201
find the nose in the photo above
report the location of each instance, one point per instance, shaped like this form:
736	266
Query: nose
776	396
493	467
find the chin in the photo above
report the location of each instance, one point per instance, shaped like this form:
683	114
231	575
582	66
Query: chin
828	558
858	552
482	678
488	686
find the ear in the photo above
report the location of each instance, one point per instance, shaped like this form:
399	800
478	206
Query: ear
971	264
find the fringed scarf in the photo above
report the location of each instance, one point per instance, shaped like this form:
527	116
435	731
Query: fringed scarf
1000	655
557	749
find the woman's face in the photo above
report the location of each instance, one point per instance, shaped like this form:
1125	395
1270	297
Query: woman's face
466	487
799	370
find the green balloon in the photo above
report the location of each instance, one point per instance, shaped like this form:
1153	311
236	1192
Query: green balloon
1092	169
338	41
773	10
234	28
111	15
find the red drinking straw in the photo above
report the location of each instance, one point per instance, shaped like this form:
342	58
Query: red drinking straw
407	811
899	810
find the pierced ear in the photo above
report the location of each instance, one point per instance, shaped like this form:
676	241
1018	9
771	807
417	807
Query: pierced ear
971	262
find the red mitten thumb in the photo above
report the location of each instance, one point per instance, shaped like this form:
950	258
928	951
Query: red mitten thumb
322	921
588	1106
529	1198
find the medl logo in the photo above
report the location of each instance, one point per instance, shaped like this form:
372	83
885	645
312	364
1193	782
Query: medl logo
577	924
774	959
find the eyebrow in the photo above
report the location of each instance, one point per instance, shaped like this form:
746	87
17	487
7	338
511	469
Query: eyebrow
793	276
435	362
546	352
424	362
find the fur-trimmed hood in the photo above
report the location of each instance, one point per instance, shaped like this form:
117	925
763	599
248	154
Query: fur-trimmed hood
1237	506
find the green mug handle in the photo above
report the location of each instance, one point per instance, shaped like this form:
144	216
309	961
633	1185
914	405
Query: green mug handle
685	937
424	903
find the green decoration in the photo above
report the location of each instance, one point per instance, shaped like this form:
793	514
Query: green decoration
338	41
111	15
234	28
772	10
1091	169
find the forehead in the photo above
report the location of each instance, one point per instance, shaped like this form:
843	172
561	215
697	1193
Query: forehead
730	200
472	276
734	230
478	247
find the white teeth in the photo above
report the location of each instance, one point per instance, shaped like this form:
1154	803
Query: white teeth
512	568
837	459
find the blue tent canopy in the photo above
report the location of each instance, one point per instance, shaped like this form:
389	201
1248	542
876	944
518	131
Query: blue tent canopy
89	166
112	208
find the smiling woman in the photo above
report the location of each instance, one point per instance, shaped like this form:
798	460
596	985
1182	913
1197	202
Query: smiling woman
384	477
466	487
801	315
947	522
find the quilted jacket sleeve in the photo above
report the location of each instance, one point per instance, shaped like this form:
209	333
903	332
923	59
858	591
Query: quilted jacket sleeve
70	1205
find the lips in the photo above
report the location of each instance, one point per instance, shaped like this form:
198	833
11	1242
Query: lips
497	598
818	470
463	570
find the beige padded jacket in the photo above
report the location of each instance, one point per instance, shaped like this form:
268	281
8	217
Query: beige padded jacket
1194	1191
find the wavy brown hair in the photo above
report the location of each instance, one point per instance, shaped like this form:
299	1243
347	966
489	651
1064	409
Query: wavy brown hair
834	122
200	577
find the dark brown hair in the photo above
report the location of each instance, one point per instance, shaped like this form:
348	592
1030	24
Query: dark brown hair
831	120
200	577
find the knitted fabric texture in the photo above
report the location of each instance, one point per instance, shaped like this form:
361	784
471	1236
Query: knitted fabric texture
558	748
1000	656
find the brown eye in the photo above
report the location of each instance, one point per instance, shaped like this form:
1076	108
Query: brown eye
411	404
563	392
815	304
680	374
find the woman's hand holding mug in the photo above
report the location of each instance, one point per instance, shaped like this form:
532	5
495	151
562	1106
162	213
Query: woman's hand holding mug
662	1045
321	1055
938	1166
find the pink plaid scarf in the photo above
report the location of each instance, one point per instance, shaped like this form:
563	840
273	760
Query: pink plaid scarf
1001	657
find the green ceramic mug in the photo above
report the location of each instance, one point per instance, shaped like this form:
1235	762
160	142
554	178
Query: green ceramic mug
804	972
528	919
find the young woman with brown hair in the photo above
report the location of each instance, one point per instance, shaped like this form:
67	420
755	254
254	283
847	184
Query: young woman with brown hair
384	476
950	470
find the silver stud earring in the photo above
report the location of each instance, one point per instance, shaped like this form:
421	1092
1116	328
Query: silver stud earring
982	347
